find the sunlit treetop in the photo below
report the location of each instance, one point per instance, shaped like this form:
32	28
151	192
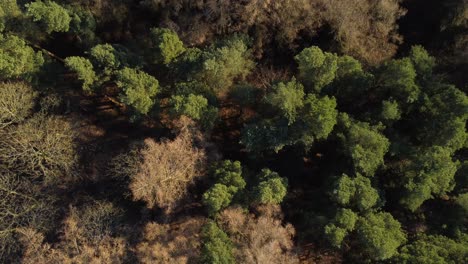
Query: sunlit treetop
54	17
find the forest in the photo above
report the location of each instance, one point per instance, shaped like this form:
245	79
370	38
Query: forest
233	131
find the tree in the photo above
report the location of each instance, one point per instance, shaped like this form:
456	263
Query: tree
390	111
84	70
287	99
443	116
344	222
318	118
42	148
218	197
17	100
434	249
355	192
265	135
54	17
138	89
397	79
217	247
429	173
106	59
166	244
365	145
18	60
262	238
316	68
196	107
229	173
379	235
272	188
166	45
167	169
423	63
22	205
224	64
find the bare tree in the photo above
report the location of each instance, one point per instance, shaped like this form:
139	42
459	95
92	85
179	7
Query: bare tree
17	99
262	239
169	243
42	148
167	169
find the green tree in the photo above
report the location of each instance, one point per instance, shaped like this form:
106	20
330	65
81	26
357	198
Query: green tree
196	107
397	78
318	118
365	145
344	222
229	173
430	173
390	111
443	116
224	64
138	89
106	58
84	69
272	188
217	247
17	100
166	45
434	249
316	68
422	61
18	60
287	98
54	17
218	197
379	235
265	135
355	192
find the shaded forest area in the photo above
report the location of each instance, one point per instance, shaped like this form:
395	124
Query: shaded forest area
227	131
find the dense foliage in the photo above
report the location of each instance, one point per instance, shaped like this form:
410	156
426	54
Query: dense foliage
177	131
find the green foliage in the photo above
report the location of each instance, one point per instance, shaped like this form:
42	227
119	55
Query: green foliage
430	173
84	70
422	61
196	107
8	9
166	45
218	197
344	222
138	89
223	65
366	146
443	117
83	24
355	192
287	99
347	66
335	235
265	135
390	111
106	58
346	218
229	173
318	118
379	235
434	249
397	78
18	60
272	188
54	17
217	247
316	68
